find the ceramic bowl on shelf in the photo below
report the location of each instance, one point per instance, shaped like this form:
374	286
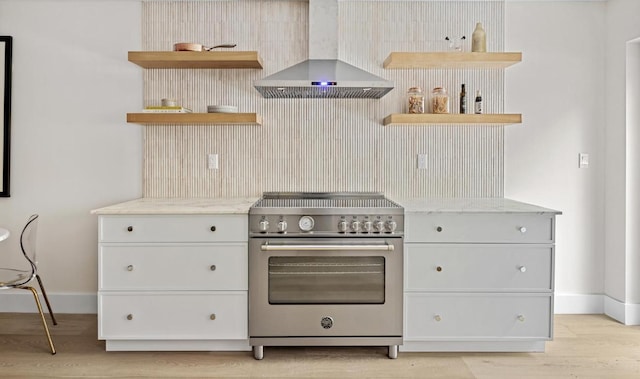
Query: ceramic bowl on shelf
222	109
168	103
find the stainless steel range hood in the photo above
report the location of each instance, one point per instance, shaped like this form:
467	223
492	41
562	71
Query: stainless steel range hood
323	75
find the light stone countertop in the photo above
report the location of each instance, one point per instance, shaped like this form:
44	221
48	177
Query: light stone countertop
241	205
161	206
470	205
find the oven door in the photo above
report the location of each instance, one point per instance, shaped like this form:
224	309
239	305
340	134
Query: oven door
325	287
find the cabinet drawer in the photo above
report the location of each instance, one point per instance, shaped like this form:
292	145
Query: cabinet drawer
174	228
477	317
471	268
174	267
486	228
168	316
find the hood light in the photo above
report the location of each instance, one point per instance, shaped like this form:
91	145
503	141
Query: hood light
324	84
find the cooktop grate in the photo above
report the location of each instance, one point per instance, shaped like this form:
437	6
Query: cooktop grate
324	200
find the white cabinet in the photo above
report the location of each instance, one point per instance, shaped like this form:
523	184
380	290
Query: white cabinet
173	282
478	281
478	317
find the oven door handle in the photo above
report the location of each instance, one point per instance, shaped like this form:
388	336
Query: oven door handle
267	247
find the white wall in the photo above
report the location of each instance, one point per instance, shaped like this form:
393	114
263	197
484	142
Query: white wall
622	262
633	169
71	148
558	88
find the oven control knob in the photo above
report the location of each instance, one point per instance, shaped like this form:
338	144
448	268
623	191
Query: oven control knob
367	226
343	226
391	226
282	226
264	226
355	226
379	225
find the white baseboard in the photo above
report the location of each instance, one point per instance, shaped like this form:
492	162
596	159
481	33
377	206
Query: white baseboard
626	313
21	301
575	303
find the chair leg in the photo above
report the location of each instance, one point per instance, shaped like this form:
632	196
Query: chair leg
44	321
46	300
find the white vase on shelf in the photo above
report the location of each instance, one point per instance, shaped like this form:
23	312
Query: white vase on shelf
479	40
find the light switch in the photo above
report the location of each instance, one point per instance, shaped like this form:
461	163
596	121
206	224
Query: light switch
422	161
212	161
583	160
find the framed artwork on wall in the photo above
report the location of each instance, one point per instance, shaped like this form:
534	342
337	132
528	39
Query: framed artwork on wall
6	43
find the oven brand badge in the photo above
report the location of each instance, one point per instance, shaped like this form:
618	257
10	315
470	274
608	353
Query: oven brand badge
326	322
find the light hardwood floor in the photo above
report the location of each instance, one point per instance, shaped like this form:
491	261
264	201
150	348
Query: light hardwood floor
585	346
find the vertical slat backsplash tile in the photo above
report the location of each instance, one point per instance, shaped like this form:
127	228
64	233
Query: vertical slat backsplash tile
316	144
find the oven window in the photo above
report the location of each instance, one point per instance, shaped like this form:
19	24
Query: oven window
326	280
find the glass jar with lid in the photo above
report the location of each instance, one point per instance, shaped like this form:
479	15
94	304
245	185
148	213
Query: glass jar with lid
439	100
415	100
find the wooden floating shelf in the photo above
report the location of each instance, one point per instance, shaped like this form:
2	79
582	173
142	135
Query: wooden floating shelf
430	118
196	59
194	118
451	60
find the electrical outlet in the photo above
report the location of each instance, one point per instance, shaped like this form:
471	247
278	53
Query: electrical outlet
583	160
422	161
212	161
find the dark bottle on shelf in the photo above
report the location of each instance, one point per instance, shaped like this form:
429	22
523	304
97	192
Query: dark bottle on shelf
463	100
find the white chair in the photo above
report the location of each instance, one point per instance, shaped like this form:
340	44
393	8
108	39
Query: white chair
12	278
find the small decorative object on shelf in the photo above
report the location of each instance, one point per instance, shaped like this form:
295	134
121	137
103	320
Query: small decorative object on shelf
455	43
439	100
479	40
415	103
478	104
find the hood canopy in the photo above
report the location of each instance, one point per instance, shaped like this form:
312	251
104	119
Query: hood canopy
323	78
323	75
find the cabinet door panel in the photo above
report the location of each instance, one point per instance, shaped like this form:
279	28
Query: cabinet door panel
484	228
474	268
175	267
477	317
184	316
174	228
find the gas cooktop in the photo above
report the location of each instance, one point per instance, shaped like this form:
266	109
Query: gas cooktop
325	200
318	213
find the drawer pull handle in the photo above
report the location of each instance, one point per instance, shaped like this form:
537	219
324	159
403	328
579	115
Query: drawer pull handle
130	228
522	229
213	228
439	229
213	316
129	317
212	268
130	268
522	268
439	268
437	318
521	318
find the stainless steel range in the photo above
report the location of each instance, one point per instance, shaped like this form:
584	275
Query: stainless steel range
325	269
